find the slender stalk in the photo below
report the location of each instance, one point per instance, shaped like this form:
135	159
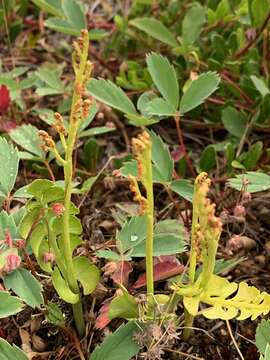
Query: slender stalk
74	122
53	244
150	223
182	144
79	318
188	325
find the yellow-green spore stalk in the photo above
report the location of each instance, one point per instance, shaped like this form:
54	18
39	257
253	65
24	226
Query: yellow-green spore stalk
225	300
142	150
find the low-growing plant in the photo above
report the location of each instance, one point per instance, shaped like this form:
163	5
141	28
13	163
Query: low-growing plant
50	223
202	292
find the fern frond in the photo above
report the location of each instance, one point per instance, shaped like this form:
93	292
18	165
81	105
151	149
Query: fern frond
229	300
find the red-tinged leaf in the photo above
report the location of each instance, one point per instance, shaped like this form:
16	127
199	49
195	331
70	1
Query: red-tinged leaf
8	125
177	154
103	316
118	271
164	268
121	275
4	98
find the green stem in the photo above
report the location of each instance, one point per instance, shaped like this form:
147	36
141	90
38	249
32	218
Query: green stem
193	250
58	257
188	326
150	223
79	318
68	174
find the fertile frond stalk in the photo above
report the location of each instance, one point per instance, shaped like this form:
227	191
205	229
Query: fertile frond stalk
205	233
77	115
142	150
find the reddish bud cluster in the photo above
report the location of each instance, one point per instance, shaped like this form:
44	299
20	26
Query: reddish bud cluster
13	261
58	209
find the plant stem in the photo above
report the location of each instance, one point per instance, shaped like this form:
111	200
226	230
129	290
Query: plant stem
188	325
79	318
74	122
182	144
150	223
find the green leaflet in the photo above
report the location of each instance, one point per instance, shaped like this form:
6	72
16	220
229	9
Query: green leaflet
156	29
119	345
9	162
11	352
112	95
263	336
9	305
198	91
26	286
164	77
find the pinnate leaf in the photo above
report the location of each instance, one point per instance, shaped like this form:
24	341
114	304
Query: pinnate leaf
54	314
244	301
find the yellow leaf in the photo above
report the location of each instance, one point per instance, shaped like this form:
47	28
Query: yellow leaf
191	305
